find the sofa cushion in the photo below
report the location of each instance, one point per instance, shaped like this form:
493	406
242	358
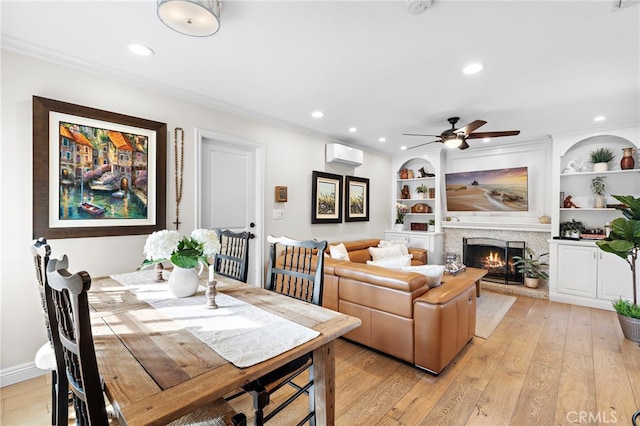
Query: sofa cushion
432	272
392	262
379	253
402	244
339	252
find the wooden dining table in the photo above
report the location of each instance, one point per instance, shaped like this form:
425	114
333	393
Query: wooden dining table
155	371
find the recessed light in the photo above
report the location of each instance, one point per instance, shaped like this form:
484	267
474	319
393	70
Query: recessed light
485	140
317	114
140	49
600	118
403	147
383	139
353	129
473	68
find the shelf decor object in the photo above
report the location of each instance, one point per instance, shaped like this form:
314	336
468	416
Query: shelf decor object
627	162
600	158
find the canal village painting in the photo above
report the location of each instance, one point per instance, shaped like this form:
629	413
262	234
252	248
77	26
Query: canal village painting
96	173
103	173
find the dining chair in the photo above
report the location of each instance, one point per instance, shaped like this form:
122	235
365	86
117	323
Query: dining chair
70	320
296	269
233	259
45	358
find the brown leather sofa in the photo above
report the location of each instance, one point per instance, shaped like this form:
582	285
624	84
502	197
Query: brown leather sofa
400	314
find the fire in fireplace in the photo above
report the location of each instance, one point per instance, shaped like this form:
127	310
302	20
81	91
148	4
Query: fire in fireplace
496	256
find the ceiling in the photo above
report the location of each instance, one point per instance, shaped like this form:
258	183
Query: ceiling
551	66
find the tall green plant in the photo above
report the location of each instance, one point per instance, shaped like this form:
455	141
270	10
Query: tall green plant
624	241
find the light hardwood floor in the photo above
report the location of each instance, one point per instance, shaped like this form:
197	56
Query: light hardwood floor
546	363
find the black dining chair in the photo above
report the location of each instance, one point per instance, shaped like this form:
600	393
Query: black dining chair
45	357
233	259
69	317
296	269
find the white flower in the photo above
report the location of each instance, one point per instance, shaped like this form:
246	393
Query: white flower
208	239
161	244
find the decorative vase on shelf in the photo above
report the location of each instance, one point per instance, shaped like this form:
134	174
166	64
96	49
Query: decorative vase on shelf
398	226
627	162
183	282
599	202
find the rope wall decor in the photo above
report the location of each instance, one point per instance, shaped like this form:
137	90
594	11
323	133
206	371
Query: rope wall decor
179	170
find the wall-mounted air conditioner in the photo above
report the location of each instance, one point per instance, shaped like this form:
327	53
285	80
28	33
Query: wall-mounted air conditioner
336	153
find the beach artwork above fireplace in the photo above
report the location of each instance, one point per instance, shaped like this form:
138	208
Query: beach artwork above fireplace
488	190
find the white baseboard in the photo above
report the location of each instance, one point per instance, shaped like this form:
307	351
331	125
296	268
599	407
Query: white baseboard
20	373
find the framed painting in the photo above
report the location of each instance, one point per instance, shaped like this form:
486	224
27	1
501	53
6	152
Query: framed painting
96	173
281	194
357	199
326	198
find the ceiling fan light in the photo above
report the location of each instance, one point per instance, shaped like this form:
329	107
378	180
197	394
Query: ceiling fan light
197	18
454	141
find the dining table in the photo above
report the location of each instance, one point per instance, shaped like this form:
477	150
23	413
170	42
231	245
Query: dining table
159	362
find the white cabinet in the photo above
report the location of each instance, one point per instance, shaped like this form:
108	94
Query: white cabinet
585	275
430	241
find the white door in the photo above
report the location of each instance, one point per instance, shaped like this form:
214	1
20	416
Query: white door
230	191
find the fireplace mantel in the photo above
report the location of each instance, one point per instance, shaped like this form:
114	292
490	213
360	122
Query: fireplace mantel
528	227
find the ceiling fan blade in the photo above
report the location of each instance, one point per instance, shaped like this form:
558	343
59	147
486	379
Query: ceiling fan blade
423	144
481	135
463	145
419	134
469	128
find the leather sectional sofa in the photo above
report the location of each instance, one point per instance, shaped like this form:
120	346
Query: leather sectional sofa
401	315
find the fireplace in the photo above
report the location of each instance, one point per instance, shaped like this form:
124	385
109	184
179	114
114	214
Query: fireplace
494	255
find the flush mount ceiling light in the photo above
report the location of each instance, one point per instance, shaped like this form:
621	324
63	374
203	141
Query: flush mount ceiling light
198	18
317	114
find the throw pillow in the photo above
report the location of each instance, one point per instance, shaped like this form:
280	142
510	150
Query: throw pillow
401	243
339	252
432	272
379	253
392	262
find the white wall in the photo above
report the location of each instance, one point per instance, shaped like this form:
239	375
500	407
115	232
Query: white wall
290	157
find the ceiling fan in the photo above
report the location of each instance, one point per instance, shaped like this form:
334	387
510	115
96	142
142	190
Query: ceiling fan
457	138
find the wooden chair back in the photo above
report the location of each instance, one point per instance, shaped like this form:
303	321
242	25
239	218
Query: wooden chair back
69	317
300	272
233	259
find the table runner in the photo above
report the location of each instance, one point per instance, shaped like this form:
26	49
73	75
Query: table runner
238	331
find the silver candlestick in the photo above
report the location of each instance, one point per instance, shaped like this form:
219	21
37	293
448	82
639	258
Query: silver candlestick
211	294
159	268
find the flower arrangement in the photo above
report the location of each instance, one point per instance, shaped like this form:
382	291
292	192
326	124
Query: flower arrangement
185	252
401	211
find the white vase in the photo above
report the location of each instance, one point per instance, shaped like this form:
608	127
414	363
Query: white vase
398	226
599	202
183	282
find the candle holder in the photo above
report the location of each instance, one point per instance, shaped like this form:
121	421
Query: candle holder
211	294
159	268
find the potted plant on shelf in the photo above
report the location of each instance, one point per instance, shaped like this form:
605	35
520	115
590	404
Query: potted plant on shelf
432	225
531	266
572	229
624	241
600	158
597	187
422	191
401	212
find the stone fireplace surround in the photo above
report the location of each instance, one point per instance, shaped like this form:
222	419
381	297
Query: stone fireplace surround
537	240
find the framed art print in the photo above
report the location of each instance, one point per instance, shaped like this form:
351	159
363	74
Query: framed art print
357	199
326	198
96	173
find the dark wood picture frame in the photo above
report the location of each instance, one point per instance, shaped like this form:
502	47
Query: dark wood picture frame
45	190
281	194
326	198
356	206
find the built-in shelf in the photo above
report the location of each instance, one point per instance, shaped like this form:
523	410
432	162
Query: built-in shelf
530	227
601	209
608	172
